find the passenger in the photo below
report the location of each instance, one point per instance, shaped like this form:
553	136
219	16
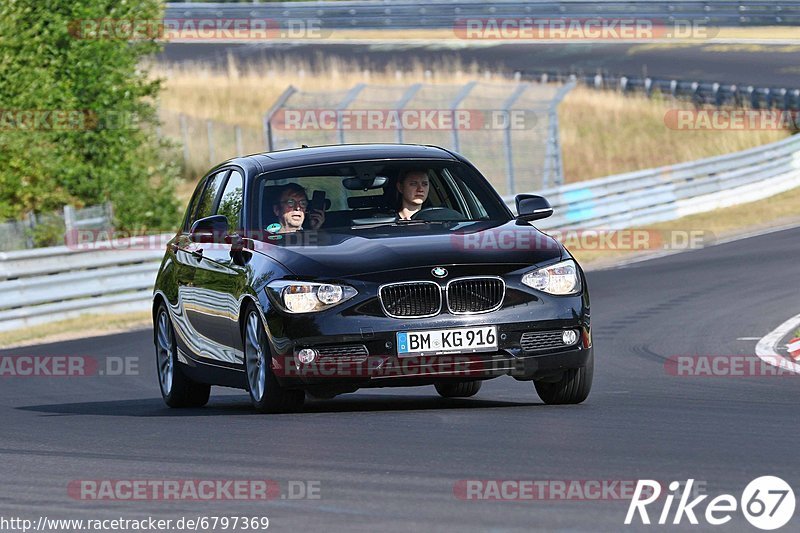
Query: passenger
413	187
291	207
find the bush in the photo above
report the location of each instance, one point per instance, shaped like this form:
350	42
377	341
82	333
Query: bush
98	144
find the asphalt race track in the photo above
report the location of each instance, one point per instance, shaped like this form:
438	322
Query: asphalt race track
389	459
730	64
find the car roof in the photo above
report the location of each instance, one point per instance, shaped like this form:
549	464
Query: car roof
340	153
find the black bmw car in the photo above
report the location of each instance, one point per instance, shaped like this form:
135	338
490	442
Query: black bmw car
320	271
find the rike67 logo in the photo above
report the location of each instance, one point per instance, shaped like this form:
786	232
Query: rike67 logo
767	503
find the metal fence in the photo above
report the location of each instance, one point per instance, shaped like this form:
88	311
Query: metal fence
509	130
444	13
204	142
45	229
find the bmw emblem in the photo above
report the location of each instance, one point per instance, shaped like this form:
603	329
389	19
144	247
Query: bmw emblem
439	272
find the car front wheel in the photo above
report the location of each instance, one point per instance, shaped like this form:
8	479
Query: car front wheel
265	392
572	387
176	389
462	389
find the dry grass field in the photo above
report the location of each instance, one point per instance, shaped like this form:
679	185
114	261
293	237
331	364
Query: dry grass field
602	133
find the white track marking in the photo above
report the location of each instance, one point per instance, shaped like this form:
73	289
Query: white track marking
765	349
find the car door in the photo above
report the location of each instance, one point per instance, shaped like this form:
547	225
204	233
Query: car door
219	281
200	334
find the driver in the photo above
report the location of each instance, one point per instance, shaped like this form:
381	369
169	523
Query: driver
413	186
291	207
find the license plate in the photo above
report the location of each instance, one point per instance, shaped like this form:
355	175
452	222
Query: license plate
442	341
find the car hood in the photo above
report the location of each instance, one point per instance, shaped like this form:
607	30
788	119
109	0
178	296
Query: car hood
332	254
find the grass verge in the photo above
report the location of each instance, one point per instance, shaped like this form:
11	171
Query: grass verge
84	326
240	94
605	133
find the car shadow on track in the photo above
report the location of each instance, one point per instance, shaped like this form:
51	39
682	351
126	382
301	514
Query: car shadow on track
235	405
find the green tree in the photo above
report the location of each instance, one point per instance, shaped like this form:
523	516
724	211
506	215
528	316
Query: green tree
98	142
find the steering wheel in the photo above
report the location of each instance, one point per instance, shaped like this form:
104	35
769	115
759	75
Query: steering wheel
438	214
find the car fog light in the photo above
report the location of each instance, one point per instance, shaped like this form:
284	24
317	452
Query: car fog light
306	355
569	337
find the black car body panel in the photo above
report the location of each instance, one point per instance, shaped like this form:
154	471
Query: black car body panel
401	248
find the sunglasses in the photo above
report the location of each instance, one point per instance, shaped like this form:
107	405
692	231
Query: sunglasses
294	204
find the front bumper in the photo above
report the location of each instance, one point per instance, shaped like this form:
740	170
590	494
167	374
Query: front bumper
361	322
384	368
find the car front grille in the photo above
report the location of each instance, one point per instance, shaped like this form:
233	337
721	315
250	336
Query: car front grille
475	295
351	353
417	299
533	341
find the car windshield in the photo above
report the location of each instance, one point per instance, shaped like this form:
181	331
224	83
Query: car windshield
352	197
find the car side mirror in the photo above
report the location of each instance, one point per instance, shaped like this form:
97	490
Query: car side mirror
532	207
213	229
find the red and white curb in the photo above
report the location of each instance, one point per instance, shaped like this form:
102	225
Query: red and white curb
765	349
794	348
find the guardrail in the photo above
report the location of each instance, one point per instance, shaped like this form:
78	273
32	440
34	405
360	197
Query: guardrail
697	91
59	282
674	191
48	284
444	13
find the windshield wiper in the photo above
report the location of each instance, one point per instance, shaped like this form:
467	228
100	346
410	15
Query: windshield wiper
406	222
374	223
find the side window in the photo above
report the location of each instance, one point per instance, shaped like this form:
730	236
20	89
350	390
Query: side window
475	204
189	217
205	207
230	203
457	200
436	194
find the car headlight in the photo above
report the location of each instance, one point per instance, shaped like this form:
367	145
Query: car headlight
308	297
560	279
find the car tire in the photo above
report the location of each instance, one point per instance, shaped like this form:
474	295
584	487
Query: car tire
265	392
461	389
572	388
176	389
